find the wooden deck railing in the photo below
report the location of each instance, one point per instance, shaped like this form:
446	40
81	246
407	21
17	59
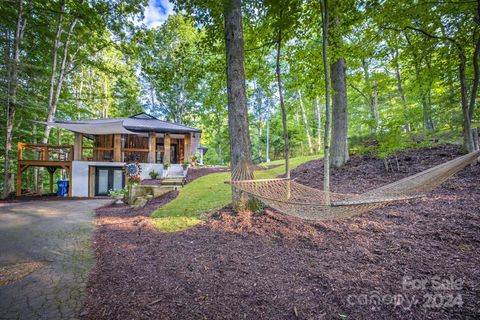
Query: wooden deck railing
104	154
44	152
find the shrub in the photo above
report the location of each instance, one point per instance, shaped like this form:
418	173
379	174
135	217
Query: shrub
185	165
118	193
153	174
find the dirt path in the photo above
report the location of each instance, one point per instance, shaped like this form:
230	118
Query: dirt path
54	237
416	260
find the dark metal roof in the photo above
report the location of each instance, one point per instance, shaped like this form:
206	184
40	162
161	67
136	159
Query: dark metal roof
138	123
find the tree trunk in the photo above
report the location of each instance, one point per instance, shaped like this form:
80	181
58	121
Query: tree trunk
240	147
12	99
259	119
267	147
282	103
305	122
375	102
319	124
467	132
56	84
339	151
400	91
325	12
371	97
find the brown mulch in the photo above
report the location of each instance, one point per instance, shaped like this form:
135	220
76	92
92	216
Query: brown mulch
270	266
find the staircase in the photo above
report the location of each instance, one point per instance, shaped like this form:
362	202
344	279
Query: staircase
174	176
175	171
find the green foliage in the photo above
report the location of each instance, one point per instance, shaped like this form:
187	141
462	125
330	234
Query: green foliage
153	174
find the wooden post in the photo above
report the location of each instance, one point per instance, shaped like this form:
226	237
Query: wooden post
166	144
91	182
19	180
78	146
51	181
20	151
45	153
187	146
70	180
117	148
152	146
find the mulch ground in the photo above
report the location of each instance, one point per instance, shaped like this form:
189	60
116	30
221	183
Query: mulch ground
267	265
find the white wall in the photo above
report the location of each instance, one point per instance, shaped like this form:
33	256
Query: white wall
79	183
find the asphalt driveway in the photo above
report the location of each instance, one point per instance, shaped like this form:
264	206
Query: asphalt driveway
58	235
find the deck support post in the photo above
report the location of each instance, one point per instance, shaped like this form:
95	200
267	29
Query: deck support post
166	143
19	180
51	182
117	147
78	146
152	145
187	146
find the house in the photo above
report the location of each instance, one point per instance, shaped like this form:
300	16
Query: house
95	162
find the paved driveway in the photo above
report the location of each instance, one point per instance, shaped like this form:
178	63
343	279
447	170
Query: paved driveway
57	233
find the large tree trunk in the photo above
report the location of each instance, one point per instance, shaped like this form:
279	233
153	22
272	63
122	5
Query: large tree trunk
468	107
282	103
240	147
305	123
467	132
326	135
339	152
12	99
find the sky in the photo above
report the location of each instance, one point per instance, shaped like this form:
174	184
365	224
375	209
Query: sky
157	12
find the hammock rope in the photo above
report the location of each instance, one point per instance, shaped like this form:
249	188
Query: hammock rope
298	200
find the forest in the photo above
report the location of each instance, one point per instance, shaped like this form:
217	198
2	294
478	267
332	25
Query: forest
393	74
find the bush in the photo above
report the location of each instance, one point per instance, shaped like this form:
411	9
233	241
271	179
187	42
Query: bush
118	193
153	174
185	165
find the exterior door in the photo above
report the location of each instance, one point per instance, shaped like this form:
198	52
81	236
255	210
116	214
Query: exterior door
173	154
108	178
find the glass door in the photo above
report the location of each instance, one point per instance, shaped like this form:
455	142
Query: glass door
108	178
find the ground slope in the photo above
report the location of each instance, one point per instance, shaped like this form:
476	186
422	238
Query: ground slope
270	266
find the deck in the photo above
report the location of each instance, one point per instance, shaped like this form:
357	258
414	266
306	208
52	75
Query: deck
51	157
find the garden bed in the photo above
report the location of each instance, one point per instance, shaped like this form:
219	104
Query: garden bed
270	266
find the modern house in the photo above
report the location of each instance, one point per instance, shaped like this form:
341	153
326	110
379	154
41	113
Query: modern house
95	162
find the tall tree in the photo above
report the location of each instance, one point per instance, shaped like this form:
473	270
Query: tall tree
339	151
240	146
12	96
305	123
325	14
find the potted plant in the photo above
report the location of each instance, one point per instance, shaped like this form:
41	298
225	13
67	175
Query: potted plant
153	174
118	195
185	166
193	158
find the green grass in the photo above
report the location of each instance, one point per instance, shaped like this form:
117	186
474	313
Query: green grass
207	194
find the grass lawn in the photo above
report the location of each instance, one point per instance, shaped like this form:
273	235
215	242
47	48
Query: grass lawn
206	194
